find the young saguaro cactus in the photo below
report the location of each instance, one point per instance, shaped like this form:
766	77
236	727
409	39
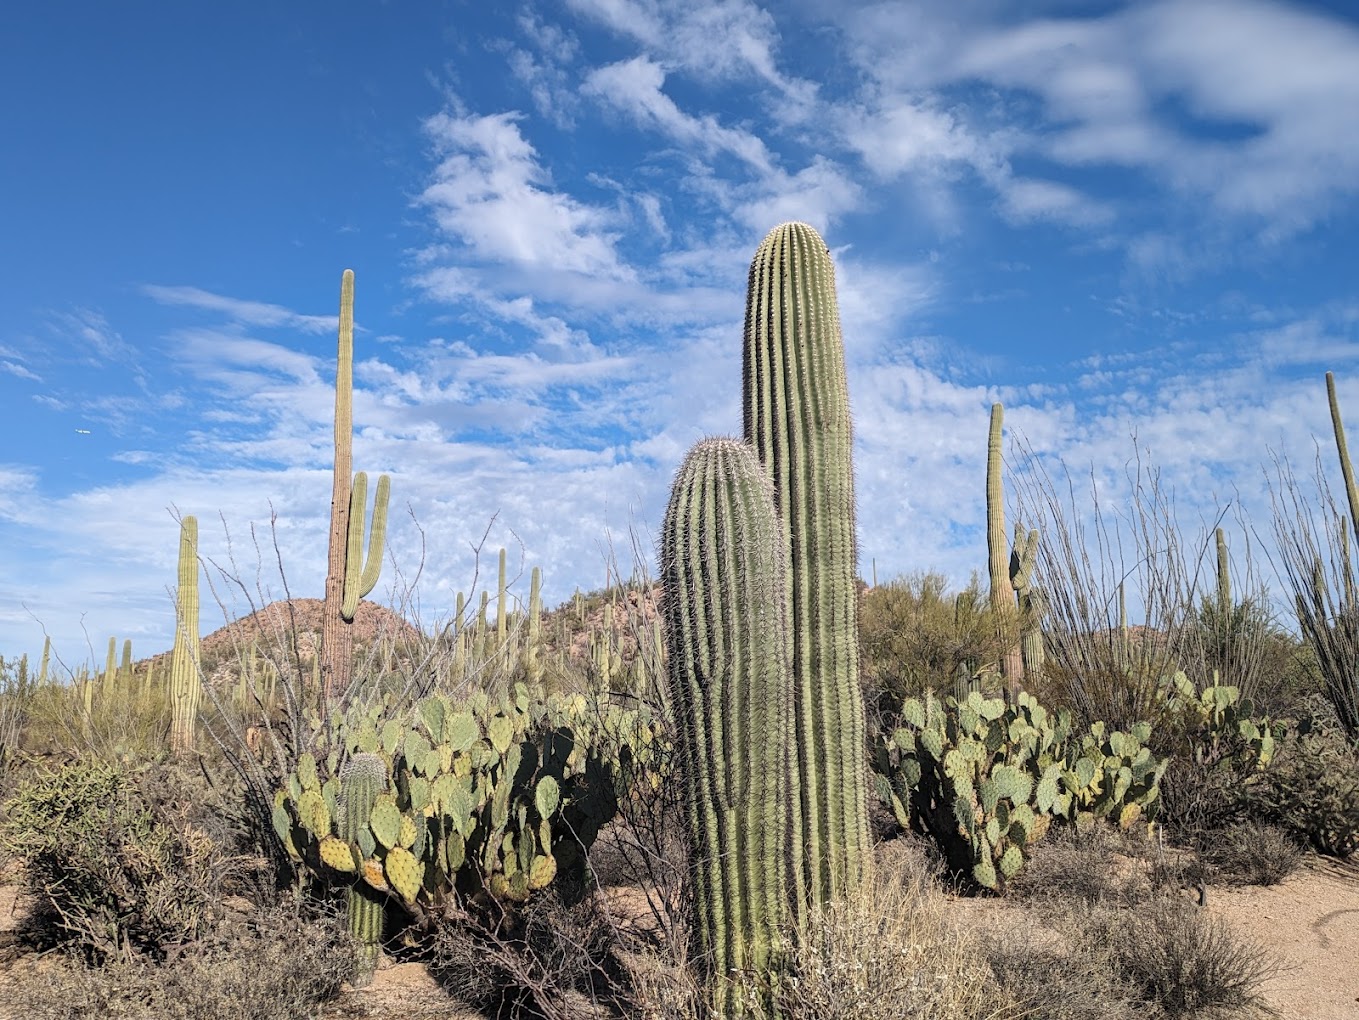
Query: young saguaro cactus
346	582
796	411
186	690
724	583
362	778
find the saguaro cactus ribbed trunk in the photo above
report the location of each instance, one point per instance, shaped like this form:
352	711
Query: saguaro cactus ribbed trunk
346	584
725	605
1003	608
797	418
186	689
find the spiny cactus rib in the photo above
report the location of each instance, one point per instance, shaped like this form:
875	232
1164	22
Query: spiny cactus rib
186	690
724	581
796	413
1032	606
999	559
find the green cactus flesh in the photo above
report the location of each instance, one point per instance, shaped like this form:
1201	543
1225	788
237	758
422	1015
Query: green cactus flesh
796	415
725	606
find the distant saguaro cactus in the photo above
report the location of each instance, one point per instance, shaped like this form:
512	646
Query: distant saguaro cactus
346	583
724	584
796	413
186	690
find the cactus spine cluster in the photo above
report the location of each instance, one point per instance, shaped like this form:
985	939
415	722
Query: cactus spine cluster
185	687
346	581
796	415
724	577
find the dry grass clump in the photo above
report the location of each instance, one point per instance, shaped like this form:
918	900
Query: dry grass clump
1069	869
275	964
892	950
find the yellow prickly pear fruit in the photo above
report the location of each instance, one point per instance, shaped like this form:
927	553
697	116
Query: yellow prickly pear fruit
404	872
335	853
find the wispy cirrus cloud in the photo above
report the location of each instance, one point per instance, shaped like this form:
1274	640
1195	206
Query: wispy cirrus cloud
249	313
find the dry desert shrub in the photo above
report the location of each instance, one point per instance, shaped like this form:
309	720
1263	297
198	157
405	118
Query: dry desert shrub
275	964
542	959
1128	939
1251	853
1180	961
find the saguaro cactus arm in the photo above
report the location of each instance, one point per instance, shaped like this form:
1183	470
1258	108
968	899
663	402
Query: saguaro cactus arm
1346	467
358	583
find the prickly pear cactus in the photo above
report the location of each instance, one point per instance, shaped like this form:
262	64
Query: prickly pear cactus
986	779
482	797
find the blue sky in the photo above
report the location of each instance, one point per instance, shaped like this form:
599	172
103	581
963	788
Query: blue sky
1115	219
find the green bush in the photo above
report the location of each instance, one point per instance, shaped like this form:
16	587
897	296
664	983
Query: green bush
110	874
914	636
1219	749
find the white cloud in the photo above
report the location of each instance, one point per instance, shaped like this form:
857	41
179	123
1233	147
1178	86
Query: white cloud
634	87
1245	102
712	40
491	193
249	313
1024	201
19	371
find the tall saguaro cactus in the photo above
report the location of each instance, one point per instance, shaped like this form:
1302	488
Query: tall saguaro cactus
796	411
346	583
724	578
186	689
1003	607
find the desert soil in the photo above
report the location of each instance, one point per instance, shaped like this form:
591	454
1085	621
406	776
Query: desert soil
1310	922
